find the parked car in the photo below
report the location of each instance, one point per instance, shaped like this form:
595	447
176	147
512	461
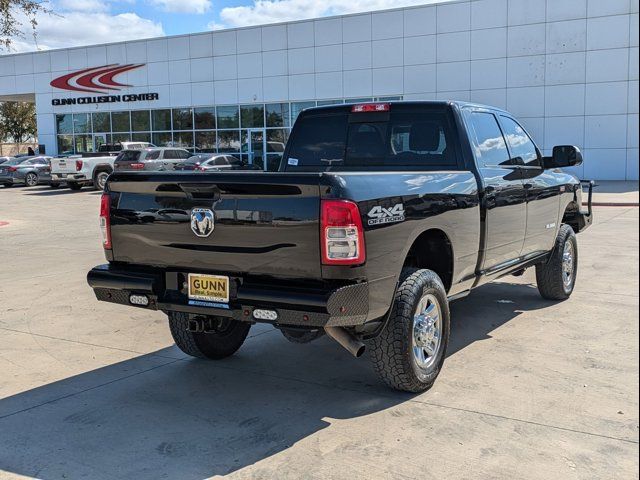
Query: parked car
380	215
155	159
29	171
4	159
89	168
207	162
33	171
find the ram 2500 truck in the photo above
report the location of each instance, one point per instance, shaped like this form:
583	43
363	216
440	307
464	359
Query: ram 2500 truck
379	216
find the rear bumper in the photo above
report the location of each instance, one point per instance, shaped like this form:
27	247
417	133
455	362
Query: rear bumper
343	306
69	178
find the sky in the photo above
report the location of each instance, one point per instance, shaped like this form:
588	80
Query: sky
87	22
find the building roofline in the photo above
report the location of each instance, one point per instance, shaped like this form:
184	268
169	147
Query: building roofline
208	32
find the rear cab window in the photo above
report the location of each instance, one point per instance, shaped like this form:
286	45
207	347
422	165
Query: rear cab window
402	137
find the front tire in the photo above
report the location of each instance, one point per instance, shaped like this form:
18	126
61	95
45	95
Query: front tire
556	278
410	350
212	345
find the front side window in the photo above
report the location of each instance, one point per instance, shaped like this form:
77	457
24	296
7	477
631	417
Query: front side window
523	150
489	145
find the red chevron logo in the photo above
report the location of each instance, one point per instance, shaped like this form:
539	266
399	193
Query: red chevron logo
94	80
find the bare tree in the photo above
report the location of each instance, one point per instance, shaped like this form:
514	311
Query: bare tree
13	16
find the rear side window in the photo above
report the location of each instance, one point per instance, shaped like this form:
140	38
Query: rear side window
153	155
399	139
220	161
523	150
489	145
128	156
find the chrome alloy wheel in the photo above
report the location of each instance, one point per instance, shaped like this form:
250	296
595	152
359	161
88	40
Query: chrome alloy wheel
31	179
427	331
568	264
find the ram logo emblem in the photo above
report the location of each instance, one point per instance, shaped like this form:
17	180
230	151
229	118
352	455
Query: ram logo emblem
202	222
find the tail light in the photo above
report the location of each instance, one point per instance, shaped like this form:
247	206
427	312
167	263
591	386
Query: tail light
78	165
137	166
12	169
341	233
105	220
370	107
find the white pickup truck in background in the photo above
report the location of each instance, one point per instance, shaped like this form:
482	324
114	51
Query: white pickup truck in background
90	168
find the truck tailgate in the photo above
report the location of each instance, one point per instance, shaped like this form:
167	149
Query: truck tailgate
64	165
263	223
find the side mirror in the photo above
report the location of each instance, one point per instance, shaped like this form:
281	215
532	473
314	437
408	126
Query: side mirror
563	156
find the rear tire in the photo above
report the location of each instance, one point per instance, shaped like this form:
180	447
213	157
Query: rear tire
100	180
75	186
31	179
410	350
211	345
301	336
556	278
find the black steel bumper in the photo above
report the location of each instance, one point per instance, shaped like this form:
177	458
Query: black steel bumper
342	306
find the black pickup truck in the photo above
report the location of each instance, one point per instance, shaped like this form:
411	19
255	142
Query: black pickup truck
379	216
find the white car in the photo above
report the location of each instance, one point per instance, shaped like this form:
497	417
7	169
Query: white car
80	170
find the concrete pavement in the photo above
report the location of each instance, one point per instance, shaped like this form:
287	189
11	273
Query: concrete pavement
530	388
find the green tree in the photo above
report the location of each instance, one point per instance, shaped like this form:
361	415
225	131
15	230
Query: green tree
14	14
17	121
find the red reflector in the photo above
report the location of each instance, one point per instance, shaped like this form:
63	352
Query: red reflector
370	107
341	233
12	169
105	220
78	165
137	166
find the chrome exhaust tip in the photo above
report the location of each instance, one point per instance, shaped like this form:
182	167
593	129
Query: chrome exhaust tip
354	346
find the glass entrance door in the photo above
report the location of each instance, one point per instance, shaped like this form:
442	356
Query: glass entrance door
99	139
256	147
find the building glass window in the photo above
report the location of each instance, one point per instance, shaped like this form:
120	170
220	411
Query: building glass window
120	122
297	107
358	100
228	117
228	141
83	143
183	139
65	143
251	116
204	118
141	137
161	119
277	115
81	123
121	137
206	141
182	119
161	139
140	121
64	124
101	121
329	102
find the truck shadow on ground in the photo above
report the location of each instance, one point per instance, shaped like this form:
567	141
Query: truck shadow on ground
165	415
51	192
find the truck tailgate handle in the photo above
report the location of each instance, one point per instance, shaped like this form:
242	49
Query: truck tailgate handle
198	190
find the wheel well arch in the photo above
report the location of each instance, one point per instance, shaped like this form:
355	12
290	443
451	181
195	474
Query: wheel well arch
571	216
102	168
433	250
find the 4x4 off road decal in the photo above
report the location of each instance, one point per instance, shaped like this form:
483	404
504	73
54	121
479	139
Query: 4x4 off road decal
379	215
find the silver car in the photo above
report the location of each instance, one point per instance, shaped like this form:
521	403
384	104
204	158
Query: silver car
30	171
211	161
156	159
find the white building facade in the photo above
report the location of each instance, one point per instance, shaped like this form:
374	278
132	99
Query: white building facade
568	69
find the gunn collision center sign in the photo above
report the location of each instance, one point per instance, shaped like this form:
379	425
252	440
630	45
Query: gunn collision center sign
101	81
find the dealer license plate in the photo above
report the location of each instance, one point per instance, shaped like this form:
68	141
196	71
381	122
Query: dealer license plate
208	288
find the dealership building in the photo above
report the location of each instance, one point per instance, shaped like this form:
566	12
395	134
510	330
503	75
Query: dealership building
568	69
